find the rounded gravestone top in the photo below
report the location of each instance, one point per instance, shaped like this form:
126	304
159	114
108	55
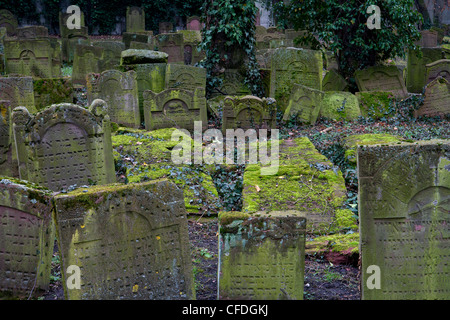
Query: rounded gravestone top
136	56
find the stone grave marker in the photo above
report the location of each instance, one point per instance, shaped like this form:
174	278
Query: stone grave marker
191	41
18	91
32	55
261	258
135	19
439	68
294	66
429	39
339	106
194	23
8	21
165	27
120	92
381	78
404	201
87	59
130	242
8	159
173	45
26	237
233	84
185	77
111	53
64	145
333	81
145	37
177	108
72	37
437	99
416	72
248	112
304	103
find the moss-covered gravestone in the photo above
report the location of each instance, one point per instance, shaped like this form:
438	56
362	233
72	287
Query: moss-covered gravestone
8	155
8	21
165	27
340	106
112	51
87	59
376	104
304	180
437	99
18	91
292	66
64	145
333	81
120	92
381	78
404	205
261	256
135	19
248	112
185	77
26	237
304	104
173	45
175	108
436	69
129	241
145	37
416	68
233	84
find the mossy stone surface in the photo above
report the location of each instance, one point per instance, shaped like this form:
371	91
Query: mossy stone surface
340	106
136	56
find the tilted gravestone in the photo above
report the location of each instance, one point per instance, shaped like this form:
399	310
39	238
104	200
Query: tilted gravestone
338	105
439	68
8	158
19	91
64	145
304	104
294	66
404	201
333	81
8	21
33	54
248	112
185	77
177	108
120	92
26	237
145	37
261	257
233	84
173	45
437	99
135	19
416	72
130	242
87	59
381	78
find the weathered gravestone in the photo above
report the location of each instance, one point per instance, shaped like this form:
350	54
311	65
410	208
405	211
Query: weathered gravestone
429	39
381	78
8	21
19	91
87	59
142	37
64	145
439	68
177	108
173	45
339	106
333	81
304	104
191	42
120	92
111	53
233	84
185	77
165	27
135	19
26	237
416	68
294	66
72	37
248	112
52	91
194	23
261	258
8	158
33	54
437	99
404	205
130	242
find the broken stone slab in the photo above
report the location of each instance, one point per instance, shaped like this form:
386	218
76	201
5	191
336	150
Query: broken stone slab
261	256
135	56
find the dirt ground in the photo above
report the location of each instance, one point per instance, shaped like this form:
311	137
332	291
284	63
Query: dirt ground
323	281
